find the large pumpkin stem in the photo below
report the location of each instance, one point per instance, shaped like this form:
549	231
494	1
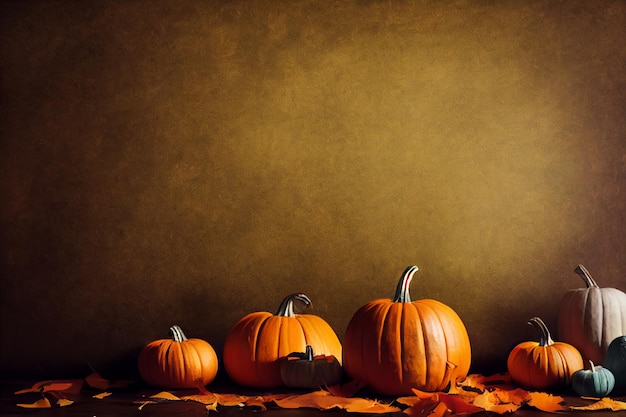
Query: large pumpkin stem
586	276
402	290
177	334
286	306
544	334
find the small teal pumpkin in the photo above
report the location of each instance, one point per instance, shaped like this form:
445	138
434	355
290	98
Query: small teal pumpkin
615	360
593	382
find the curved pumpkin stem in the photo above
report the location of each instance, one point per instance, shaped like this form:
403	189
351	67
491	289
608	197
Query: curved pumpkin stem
593	366
402	290
286	306
177	334
586	276
544	334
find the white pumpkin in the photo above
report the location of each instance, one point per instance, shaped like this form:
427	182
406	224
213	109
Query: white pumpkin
590	318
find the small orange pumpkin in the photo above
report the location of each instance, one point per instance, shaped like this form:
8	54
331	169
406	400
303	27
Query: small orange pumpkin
396	345
178	362
306	370
543	364
256	343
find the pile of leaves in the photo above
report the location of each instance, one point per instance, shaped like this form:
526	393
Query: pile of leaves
475	393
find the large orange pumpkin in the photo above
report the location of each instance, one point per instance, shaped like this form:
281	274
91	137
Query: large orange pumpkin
178	362
394	345
544	364
256	344
591	318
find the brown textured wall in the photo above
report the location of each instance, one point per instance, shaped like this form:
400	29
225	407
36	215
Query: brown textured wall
189	162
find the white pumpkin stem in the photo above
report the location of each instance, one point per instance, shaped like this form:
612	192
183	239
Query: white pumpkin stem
544	334
286	306
586	276
177	334
593	367
402	289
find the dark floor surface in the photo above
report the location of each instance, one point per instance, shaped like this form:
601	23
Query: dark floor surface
125	403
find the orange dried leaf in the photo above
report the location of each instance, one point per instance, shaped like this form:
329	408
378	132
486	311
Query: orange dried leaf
161	397
516	396
440	410
257	402
96	380
410	401
43	403
546	402
481	383
425	408
422	394
63	402
231	399
348	389
69	386
602	404
324	400
496	402
457	405
206	399
101	395
272	397
362	405
142	404
164	396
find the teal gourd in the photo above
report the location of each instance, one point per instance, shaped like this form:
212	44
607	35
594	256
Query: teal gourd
593	382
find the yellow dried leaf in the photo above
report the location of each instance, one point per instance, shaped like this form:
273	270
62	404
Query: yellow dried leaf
43	403
603	404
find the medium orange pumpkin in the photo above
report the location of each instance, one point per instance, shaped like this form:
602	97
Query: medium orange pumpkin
256	344
544	364
591	318
178	362
394	345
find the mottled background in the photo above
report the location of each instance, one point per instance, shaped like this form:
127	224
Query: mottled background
189	162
